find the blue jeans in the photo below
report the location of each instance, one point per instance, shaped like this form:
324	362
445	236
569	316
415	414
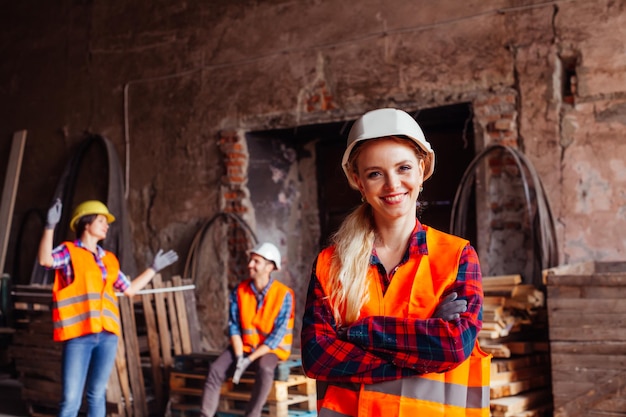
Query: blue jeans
89	359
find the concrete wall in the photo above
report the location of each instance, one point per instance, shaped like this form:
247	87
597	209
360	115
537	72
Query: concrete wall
165	80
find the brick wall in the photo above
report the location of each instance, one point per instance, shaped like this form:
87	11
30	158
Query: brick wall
505	248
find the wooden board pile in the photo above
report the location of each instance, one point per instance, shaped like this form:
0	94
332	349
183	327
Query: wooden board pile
155	326
587	316
515	333
292	394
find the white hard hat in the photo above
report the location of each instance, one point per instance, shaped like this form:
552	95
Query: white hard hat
269	252
387	122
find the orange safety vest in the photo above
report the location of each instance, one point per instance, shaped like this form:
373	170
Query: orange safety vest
89	304
257	324
414	292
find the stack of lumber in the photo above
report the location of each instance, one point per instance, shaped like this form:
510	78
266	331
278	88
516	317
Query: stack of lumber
587	317
165	311
515	333
292	393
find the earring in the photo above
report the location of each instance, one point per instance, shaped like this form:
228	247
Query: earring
362	199
421	188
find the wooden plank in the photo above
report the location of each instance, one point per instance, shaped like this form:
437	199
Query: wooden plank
123	378
574	320
591	291
587	306
614	279
564	373
521	402
499	350
505	389
606	397
565	291
9	191
182	317
192	317
586	332
498	290
512	364
133	359
164	331
609	362
598	347
502	280
518	374
114	394
493	301
544	410
154	348
174	325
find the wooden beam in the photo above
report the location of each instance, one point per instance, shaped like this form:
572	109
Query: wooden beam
10	191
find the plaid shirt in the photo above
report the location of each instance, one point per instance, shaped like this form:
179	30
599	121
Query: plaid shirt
61	260
379	348
280	324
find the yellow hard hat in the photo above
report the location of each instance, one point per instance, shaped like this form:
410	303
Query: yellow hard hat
90	207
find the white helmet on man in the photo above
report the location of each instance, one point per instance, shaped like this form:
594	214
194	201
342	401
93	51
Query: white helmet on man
269	252
387	122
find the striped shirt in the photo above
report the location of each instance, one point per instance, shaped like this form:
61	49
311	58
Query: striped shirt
280	324
61	260
382	348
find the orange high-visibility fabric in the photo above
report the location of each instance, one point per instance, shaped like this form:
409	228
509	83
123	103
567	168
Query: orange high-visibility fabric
460	392
89	304
257	324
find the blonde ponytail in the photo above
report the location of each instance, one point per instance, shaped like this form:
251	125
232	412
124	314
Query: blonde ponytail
353	243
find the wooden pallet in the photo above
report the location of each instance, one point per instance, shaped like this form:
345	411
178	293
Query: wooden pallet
296	396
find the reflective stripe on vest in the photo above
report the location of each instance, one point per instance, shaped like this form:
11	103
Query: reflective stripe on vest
88	305
434	391
257	324
462	391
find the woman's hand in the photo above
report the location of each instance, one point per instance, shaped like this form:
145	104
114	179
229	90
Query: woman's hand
54	214
163	260
450	308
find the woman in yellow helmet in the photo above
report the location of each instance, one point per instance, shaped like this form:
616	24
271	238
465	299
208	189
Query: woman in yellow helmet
85	313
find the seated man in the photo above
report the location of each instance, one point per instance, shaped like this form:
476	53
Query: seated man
260	326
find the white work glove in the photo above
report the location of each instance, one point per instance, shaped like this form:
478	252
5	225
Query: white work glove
450	308
54	214
163	260
242	364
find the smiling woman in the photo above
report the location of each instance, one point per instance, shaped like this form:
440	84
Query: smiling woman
394	306
389	175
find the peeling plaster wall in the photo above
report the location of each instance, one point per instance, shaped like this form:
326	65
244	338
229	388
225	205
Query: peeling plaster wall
282	184
161	81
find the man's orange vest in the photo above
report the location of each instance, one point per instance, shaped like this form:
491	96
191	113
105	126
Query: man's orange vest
257	324
414	292
89	304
